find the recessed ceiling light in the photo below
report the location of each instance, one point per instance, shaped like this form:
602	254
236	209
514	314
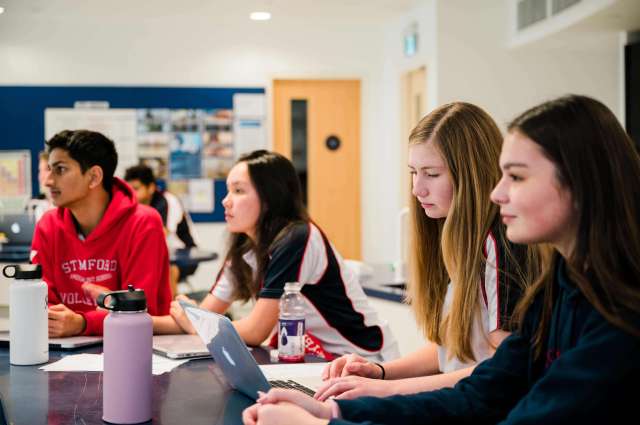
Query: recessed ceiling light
1	10
260	16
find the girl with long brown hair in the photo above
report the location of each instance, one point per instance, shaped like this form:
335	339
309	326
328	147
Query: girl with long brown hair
465	277
273	241
571	179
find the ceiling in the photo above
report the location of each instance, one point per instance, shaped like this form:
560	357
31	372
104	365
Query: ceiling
315	10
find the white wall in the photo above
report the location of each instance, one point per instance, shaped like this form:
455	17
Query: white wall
476	65
462	44
382	196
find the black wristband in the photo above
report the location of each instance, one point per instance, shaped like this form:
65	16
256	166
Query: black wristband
384	372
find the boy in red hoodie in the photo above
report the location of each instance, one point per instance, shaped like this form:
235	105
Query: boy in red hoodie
97	239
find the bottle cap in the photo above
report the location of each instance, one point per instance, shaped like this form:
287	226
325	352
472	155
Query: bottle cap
292	286
130	299
23	271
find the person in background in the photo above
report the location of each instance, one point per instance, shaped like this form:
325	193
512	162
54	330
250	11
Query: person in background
41	203
273	241
571	179
174	218
466	277
97	239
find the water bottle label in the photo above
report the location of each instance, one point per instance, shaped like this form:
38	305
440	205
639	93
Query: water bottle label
291	337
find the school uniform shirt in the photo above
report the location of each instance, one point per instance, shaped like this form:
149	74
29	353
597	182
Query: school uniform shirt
127	247
499	295
337	312
586	375
174	219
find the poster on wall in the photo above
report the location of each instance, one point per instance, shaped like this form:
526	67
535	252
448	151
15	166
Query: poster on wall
118	125
153	140
249	122
15	180
185	156
218	152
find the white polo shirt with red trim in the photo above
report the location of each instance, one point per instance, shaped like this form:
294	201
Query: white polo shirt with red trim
337	313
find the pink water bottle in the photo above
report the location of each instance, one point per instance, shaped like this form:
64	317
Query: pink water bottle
128	347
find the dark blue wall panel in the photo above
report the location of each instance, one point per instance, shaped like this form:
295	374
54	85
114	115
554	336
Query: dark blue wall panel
22	114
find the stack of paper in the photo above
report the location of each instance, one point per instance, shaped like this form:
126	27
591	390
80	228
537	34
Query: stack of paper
94	363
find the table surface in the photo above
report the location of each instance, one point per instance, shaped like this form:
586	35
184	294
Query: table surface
194	393
176	255
384	284
193	254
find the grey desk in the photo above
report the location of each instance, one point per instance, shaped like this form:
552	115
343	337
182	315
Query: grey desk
193	393
190	256
383	284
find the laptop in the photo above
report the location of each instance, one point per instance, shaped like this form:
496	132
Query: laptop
232	355
69	343
16	232
180	346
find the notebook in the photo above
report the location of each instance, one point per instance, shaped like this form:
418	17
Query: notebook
180	346
233	356
68	343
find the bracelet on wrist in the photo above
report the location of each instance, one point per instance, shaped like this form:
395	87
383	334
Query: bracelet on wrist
382	369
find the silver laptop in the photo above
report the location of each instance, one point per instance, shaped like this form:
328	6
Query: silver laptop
69	343
180	346
232	355
16	231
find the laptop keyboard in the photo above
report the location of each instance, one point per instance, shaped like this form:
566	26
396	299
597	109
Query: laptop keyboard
289	384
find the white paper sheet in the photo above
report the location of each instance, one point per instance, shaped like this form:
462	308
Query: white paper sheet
201	195
94	363
292	371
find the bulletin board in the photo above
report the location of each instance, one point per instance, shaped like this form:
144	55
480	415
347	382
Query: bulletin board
22	120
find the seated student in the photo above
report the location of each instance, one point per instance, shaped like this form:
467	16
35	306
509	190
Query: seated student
466	278
97	239
174	217
273	241
41	203
571	178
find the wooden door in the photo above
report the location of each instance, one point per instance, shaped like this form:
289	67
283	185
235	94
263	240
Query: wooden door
414	101
333	176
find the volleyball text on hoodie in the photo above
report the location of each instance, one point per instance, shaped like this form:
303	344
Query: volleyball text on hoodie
127	247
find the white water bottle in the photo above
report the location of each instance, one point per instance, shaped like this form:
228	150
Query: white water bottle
28	318
291	324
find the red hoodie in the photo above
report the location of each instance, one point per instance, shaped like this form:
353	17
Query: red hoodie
127	247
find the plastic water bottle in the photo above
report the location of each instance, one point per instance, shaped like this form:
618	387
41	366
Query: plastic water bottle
128	348
28	316
291	324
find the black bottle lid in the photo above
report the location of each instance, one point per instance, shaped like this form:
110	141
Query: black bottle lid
23	271
130	299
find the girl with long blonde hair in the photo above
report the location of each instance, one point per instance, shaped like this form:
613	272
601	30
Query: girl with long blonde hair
465	276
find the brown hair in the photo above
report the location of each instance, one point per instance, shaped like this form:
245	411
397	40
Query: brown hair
278	187
598	163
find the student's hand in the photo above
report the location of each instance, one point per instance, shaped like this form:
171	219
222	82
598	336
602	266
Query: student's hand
178	314
279	414
92	290
64	322
307	410
351	364
350	387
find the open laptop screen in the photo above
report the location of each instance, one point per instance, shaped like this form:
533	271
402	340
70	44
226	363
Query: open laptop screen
228	350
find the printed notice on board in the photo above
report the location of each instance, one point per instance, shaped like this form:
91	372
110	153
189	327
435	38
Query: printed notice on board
249	128
201	195
249	105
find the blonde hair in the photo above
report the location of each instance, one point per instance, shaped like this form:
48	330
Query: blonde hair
452	248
